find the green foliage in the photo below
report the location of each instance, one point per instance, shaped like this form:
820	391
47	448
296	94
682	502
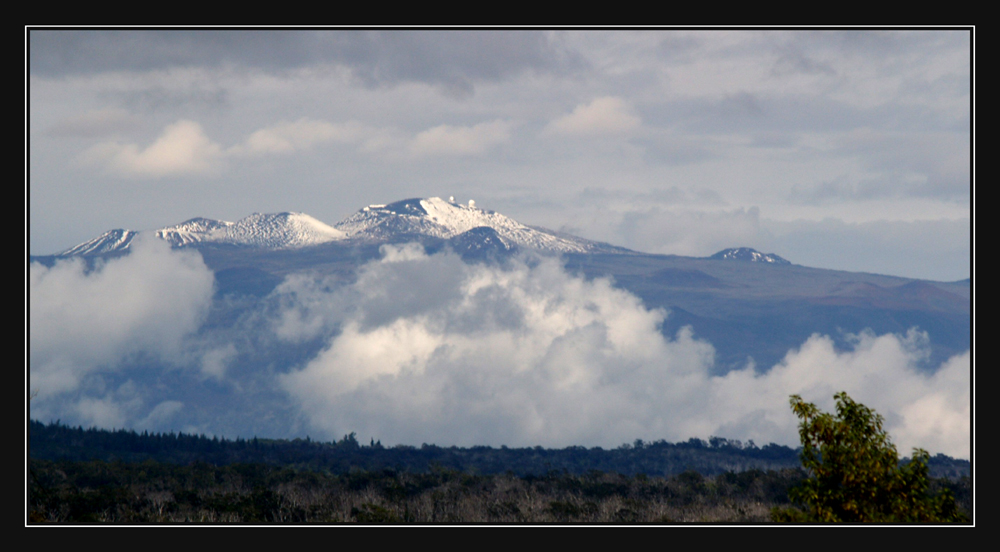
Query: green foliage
855	474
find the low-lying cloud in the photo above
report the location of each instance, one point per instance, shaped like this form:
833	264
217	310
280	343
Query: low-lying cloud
429	349
88	321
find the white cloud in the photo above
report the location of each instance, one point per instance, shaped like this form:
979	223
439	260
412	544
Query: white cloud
880	372
115	409
215	361
461	140
607	115
104	412
161	414
87	321
183	148
939	419
289	137
531	355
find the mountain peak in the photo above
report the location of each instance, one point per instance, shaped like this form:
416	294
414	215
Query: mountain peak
280	231
269	231
113	240
747	254
447	219
407	219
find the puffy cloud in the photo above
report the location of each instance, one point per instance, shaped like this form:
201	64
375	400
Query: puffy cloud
939	417
161	414
512	356
921	410
215	361
288	137
84	321
460	140
426	348
607	115
529	354
183	148
103	412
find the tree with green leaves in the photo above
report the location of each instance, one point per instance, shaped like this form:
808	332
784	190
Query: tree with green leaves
855	473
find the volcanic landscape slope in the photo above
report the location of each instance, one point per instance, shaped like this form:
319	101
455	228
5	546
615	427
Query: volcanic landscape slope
439	218
749	305
410	219
761	309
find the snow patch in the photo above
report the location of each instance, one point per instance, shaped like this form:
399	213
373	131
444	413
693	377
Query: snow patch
433	217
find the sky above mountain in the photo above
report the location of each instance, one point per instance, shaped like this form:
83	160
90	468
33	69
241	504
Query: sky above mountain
835	149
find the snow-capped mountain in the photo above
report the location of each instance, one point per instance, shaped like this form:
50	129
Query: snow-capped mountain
412	218
448	219
113	240
748	254
276	231
269	231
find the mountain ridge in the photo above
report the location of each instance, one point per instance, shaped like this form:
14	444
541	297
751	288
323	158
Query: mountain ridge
748	314
748	254
431	217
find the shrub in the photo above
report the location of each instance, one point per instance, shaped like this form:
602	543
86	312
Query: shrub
855	473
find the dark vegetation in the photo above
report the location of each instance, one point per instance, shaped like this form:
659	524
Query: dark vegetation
90	475
145	492
59	442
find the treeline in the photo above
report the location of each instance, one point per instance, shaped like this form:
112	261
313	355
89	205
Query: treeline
56	441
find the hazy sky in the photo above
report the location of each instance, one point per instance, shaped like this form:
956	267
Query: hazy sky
837	149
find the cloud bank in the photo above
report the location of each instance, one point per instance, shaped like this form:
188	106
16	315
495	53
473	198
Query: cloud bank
429	349
426	348
83	321
454	61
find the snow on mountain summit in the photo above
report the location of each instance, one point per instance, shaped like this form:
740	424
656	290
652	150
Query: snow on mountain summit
110	241
191	231
446	219
748	254
269	231
407	219
279	231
